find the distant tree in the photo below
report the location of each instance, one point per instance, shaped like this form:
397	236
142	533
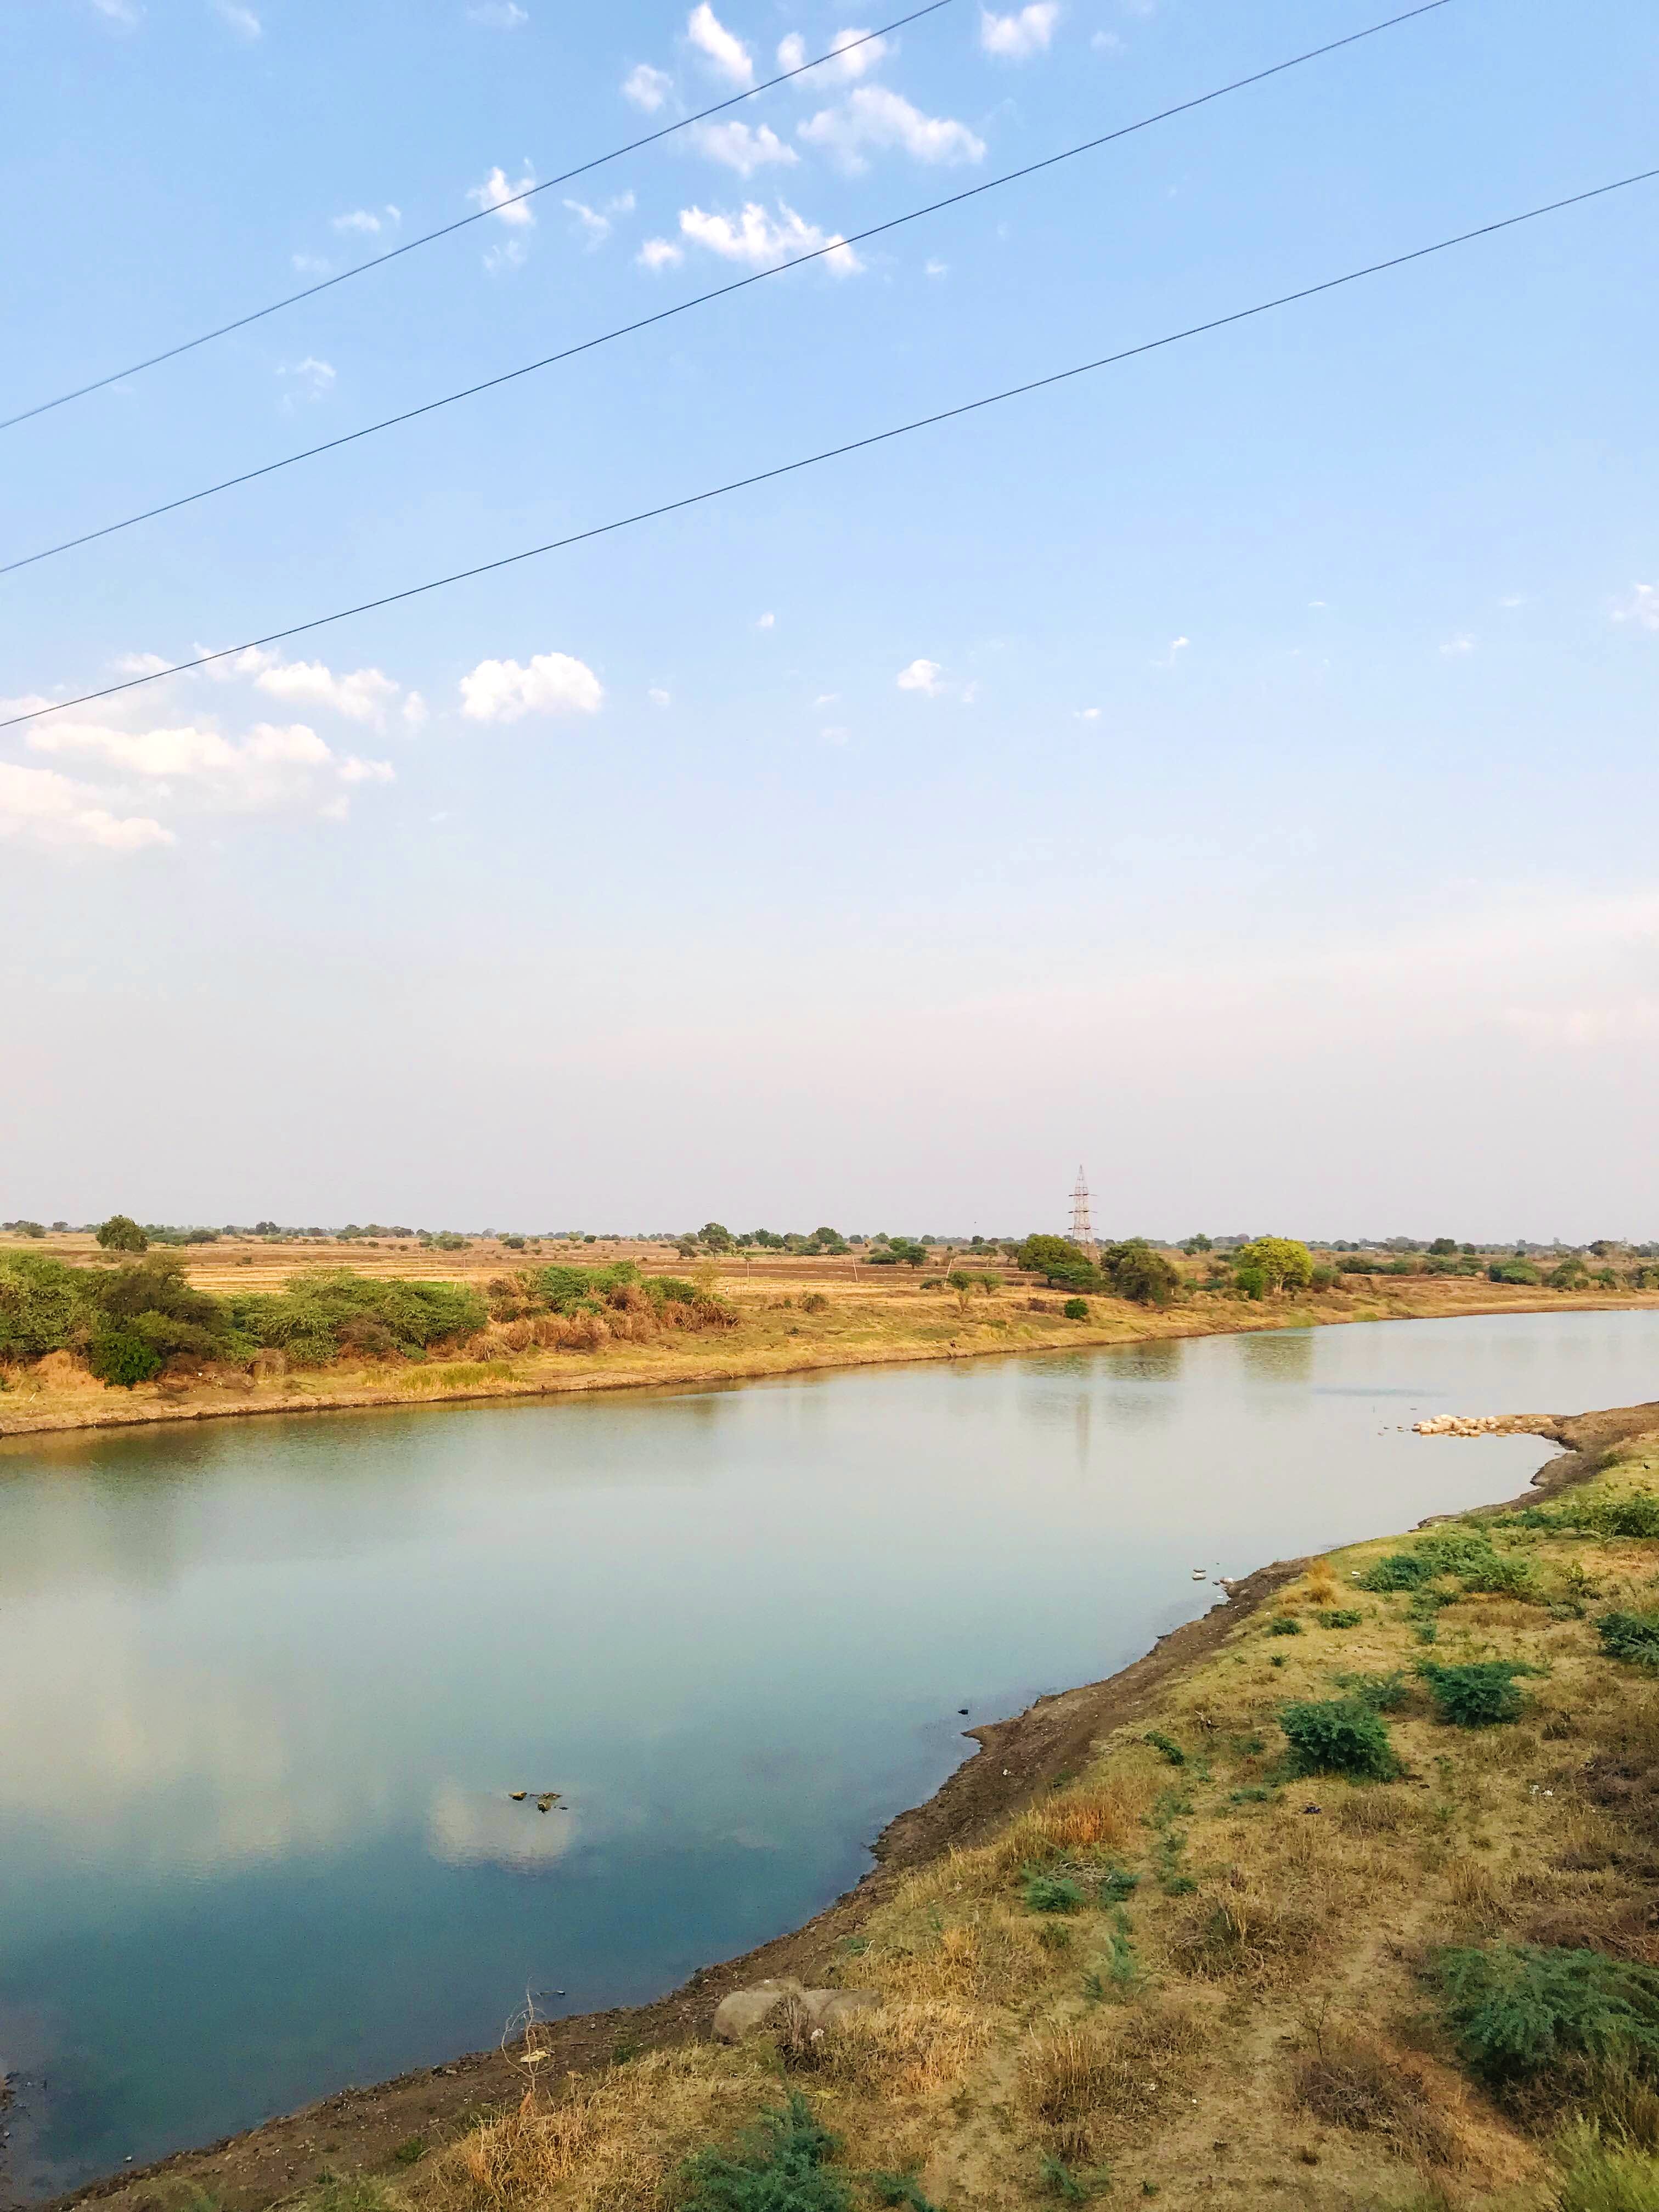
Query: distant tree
1604	1247
1137	1272
1076	1310
1285	1263
898	1251
1513	1271
829	1240
29	1228
1444	1248
121	1233
1042	1255
1199	1243
686	1246
716	1235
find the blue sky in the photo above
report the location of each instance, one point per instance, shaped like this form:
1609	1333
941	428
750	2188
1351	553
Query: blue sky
1234	769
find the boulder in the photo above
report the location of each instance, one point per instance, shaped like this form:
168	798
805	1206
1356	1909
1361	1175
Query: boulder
786	2006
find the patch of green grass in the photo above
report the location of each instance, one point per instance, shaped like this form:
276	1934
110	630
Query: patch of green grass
1631	1637
1167	1744
897	2189
1382	1694
1339	1735
1116	1884
1282	1624
1598	2176
1478	1694
1340	1616
1042	1892
411	2150
1399	1570
1057	2180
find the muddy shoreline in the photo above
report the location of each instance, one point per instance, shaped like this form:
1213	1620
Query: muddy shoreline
357	2129
1134	1326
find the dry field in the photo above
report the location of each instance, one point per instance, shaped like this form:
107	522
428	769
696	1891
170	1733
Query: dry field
1178	1972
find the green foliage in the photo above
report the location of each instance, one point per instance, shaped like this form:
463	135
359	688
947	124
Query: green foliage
331	1311
1340	1616
1170	1749
1139	1273
411	2150
1632	1636
780	2165
41	1301
898	2189
1636	1514
1517	2011
1339	1735
897	1251
121	1233
123	1359
1283	1623
1252	1282
1382	1694
1285	1263
1513	1271
1076	1310
1478	1694
1041	1892
1117	1884
1598	2176
1064	1266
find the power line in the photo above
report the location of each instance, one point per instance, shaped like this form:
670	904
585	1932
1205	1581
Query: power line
464	222
838	452
720	292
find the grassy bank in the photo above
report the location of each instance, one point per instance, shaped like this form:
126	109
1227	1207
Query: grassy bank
1349	1896
795	1317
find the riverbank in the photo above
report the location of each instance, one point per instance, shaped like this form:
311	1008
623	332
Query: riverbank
782	1329
1238	1997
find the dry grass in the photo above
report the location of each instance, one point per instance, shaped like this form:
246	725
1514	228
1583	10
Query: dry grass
1352	2082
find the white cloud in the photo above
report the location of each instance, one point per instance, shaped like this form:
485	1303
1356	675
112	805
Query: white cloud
1177	647
659	254
242	21
139	664
1455	648
365	222
649	88
275	766
40	803
416	711
126	12
792	52
873	117
924	675
1107	42
725	53
658	697
553	683
859	54
507	199
1017	38
310	265
363	696
735	146
353	770
498	15
767	621
1642	607
755	238
937	269
594	225
1088	714
313	379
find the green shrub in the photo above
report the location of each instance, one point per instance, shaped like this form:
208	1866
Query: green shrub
1283	1625
42	1304
1250	1282
1513	1271
1632	1636
1286	1263
780	2165
1517	2011
1381	1694
1598	2176
1076	1310
1400	1570
123	1359
1339	1736
1634	1515
1340	1617
1167	1744
1139	1273
121	1233
330	1310
1117	1884
1478	1694
1049	1893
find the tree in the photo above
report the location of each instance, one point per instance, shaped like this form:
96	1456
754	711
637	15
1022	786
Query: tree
121	1233
1055	1257
1137	1272
1442	1248
1199	1243
1284	1263
29	1228
716	1236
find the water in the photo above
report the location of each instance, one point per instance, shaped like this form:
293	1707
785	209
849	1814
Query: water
264	1686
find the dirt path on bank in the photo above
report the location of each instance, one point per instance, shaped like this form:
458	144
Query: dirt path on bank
359	2130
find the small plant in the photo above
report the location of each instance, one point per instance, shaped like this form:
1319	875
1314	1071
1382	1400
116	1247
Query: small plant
1076	1310
1117	1884
411	2150
1170	1749
1283	1625
1632	1636
1598	2175
1339	1736
1400	1570
1052	1935
1337	1616
1256	1794
1049	1893
1478	1694
897	2189
815	1301
1172	1878
1384	1693
780	2165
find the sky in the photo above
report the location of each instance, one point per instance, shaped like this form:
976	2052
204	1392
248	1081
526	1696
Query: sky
1233	769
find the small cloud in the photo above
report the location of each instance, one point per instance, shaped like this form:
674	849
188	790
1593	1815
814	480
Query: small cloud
366	223
314	379
1455	647
658	697
735	146
792	52
1514	599
1177	647
1107	42
856	52
507	200
725	53
936	269
310	265
130	664
649	88
874	119
416	711
1318	603
498	15
923	676
825	699
1642	607
659	254
242	21
1088	714
1017	38
353	770
594	224
755	237
767	621
552	684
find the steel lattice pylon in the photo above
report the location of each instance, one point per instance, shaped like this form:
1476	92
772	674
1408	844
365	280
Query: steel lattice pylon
1083	1231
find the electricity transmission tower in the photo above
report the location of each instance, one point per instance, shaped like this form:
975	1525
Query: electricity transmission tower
1082	1226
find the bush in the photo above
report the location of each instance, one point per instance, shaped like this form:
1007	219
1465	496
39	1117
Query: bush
815	1301
324	1311
1285	1263
1513	1271
1339	1736
41	1304
1478	1694
1049	1893
1250	1282
1139	1273
780	2166
1517	2011
1382	1694
1283	1625
1076	1310
1632	1636
123	1359
120	1233
1340	1617
1635	1515
1400	1570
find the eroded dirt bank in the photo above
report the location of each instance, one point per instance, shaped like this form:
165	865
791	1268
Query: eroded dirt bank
1018	1759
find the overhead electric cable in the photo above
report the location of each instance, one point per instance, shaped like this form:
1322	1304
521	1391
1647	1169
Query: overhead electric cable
836	453
464	222
720	292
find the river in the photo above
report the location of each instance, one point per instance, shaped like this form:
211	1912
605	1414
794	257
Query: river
265	1685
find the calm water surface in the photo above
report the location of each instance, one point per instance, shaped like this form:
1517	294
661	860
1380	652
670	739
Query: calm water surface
264	1687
